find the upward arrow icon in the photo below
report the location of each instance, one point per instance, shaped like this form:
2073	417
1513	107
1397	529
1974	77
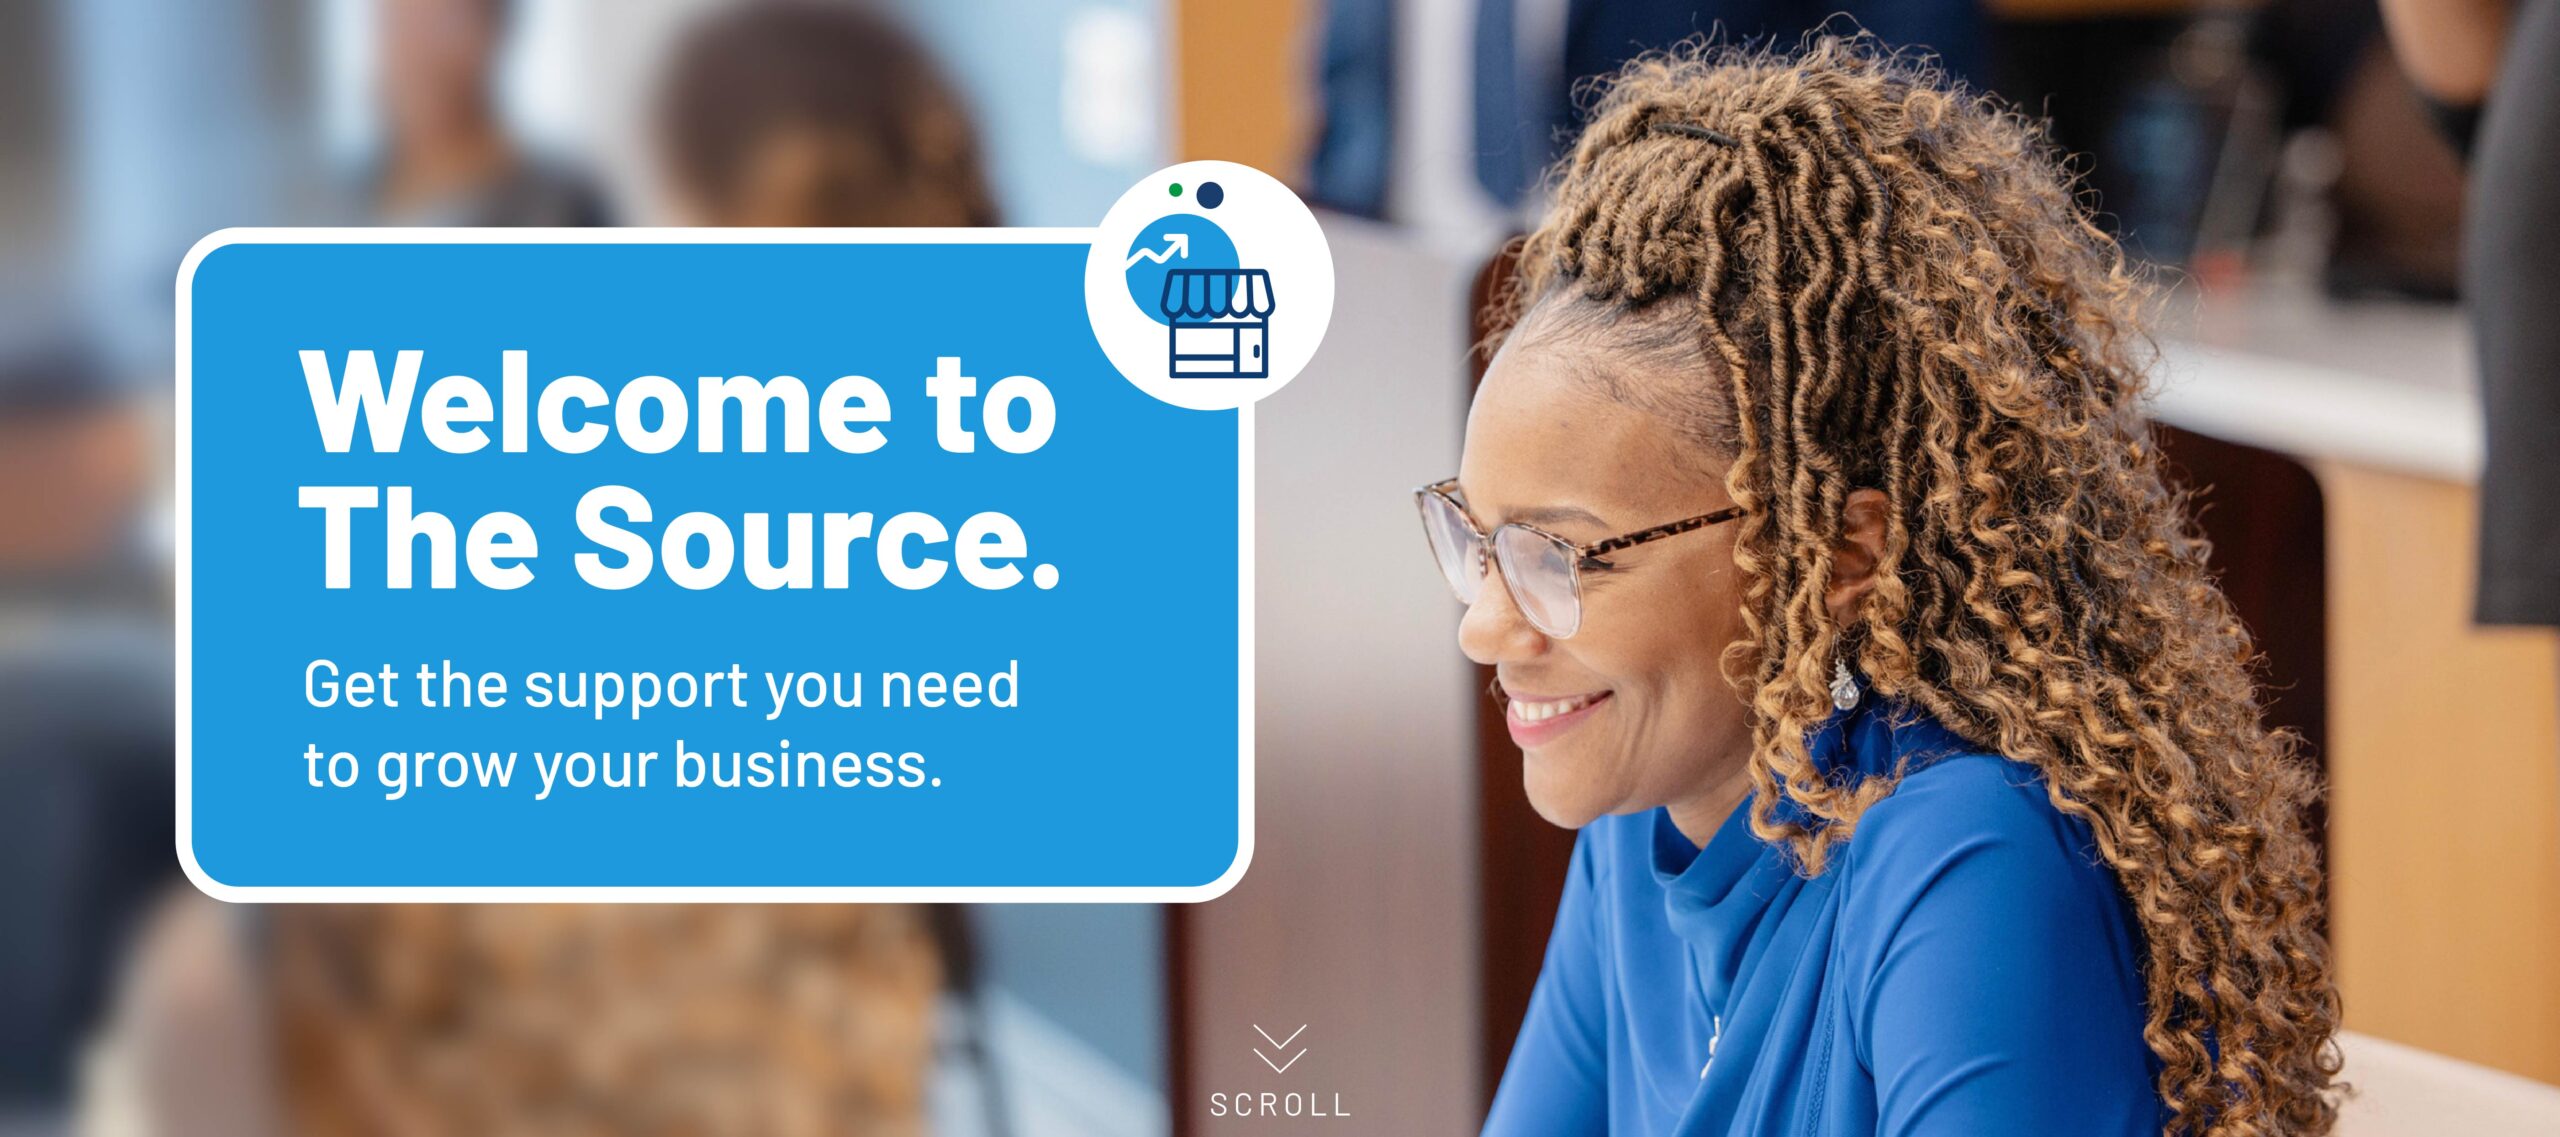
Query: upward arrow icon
1175	245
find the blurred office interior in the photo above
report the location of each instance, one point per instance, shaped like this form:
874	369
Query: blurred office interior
2317	384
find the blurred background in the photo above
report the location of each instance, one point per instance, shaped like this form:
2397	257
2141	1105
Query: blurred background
2299	196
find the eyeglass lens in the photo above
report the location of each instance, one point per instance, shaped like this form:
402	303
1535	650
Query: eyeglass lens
1537	568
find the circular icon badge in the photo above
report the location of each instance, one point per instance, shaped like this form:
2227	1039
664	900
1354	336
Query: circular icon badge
1209	285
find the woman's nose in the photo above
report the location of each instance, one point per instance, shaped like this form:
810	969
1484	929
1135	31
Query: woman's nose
1493	630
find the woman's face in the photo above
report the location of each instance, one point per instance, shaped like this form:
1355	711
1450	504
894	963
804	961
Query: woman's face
1636	711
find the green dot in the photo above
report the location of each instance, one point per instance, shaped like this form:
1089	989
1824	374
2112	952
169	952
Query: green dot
1176	189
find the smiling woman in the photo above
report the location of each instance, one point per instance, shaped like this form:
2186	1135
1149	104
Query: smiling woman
1930	796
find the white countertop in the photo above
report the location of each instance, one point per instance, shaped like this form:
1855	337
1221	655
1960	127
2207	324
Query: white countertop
2380	383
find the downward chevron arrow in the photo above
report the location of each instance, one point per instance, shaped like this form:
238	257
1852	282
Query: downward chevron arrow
1279	1044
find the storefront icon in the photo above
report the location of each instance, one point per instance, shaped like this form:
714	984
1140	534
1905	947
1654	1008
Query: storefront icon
1220	319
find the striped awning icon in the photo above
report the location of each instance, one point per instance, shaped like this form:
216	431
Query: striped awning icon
1217	293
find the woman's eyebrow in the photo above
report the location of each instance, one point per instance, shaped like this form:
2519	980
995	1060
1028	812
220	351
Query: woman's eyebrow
1551	514
1533	514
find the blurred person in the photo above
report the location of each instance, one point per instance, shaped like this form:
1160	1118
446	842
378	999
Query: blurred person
771	1021
810	113
820	114
449	159
2451	50
86	705
2491	70
1809	519
75	457
1534	59
2395	198
495	1020
1355	138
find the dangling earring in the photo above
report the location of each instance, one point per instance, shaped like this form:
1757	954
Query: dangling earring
1844	686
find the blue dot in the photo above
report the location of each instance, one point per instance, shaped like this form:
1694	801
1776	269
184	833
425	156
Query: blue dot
1211	195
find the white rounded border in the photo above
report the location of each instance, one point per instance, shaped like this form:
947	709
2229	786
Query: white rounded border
659	894
1272	229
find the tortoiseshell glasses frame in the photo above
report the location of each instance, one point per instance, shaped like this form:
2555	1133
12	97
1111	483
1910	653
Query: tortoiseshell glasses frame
1542	570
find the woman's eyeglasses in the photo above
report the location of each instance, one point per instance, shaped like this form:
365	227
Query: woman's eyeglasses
1543	571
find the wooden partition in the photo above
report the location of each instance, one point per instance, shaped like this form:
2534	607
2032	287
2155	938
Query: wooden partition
1242	78
2444	785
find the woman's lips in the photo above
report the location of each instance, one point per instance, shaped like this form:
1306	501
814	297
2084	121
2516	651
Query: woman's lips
1538	720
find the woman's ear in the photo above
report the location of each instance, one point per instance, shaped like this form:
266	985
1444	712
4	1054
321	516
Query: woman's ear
1855	556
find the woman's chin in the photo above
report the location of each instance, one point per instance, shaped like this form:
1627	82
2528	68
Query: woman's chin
1556	794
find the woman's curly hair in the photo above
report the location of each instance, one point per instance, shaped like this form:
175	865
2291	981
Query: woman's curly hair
1905	295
